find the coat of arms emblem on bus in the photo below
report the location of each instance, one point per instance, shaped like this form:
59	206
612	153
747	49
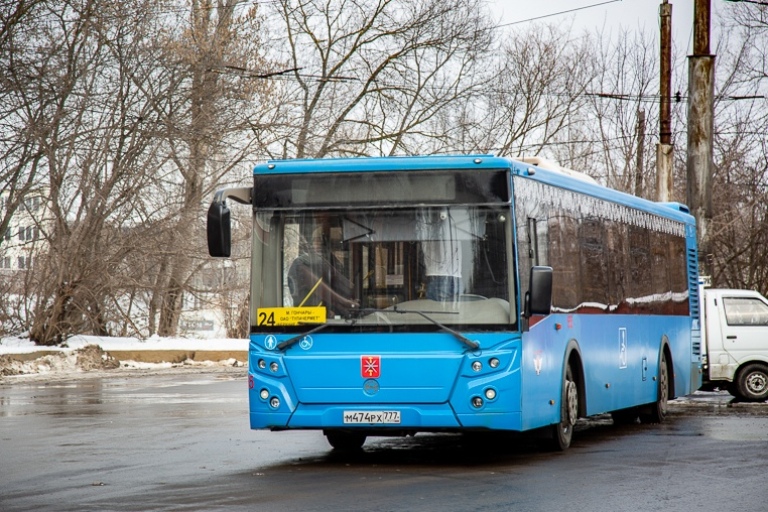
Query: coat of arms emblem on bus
370	366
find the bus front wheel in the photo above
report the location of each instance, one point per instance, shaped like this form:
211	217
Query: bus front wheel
562	433
345	441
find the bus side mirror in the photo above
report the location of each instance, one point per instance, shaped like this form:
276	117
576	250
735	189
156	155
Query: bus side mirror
219	230
538	300
219	225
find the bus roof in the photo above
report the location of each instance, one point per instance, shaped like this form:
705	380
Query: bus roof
373	164
535	167
568	180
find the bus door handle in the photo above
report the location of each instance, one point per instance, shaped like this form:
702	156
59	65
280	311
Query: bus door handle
732	337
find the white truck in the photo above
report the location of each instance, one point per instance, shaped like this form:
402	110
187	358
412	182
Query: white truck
735	342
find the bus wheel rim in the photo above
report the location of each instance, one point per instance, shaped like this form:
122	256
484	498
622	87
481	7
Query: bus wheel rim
572	403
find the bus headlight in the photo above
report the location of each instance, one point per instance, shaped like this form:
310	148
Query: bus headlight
477	366
274	402
273	367
490	393
264	394
477	402
494	362
262	364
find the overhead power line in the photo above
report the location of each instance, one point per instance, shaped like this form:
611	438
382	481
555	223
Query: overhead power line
557	13
748	2
253	74
677	97
247	73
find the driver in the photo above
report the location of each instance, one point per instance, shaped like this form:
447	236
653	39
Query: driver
317	278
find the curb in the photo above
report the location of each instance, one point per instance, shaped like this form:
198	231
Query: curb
178	356
148	356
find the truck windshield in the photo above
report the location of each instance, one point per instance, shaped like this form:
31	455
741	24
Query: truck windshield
448	263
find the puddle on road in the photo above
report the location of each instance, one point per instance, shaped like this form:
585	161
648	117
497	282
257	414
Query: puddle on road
737	428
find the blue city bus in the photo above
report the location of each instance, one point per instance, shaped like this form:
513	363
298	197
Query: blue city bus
397	295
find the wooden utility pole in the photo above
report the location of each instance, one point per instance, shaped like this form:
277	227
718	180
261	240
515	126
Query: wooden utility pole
701	87
665	149
640	153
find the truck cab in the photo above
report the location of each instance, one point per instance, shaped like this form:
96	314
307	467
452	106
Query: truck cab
736	342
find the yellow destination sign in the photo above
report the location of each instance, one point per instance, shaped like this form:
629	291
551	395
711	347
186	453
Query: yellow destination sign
290	316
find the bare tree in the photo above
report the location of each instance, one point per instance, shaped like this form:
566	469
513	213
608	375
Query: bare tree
97	158
122	119
26	110
623	93
213	54
128	114
370	77
537	89
751	20
740	180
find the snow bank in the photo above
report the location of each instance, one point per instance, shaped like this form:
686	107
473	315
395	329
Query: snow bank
20	345
92	353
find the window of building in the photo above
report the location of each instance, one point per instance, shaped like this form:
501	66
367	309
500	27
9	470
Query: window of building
32	203
28	234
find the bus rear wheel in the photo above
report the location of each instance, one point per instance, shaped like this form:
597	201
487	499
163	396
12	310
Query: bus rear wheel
345	441
657	411
562	433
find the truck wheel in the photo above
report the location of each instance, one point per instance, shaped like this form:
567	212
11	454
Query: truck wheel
752	382
345	441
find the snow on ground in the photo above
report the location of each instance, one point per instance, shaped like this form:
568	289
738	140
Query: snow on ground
17	345
92	354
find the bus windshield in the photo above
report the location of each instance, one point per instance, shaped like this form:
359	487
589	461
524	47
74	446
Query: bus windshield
400	268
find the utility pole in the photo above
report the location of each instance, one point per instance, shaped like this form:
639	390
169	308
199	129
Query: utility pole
701	86
665	150
640	153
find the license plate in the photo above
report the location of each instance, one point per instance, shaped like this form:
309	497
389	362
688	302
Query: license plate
372	417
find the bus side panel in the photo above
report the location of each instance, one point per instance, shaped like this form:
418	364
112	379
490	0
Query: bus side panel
685	373
543	348
619	356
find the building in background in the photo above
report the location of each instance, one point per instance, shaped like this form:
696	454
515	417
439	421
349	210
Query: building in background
23	239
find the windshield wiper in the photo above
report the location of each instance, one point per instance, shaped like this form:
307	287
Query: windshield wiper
468	342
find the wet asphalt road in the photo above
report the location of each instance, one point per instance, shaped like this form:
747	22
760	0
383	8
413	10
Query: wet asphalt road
180	442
